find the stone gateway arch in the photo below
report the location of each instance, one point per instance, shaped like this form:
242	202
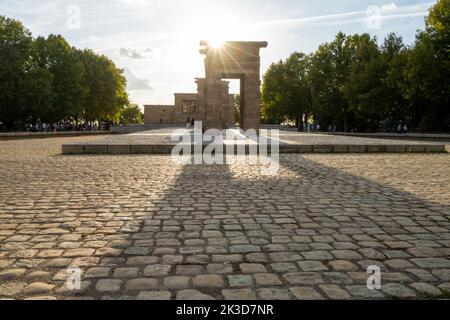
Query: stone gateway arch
233	60
212	104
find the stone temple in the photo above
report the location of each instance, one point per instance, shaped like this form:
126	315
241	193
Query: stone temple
212	104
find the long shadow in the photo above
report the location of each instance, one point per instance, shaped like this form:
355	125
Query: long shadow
214	218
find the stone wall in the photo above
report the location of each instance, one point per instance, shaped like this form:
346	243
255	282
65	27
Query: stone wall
159	114
192	106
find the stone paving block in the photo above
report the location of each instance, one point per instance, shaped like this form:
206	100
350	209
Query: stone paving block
267	279
395	148
208	281
108	285
191	295
72	149
357	149
304	149
141	284
154	295
376	148
340	148
334	292
177	282
119	149
311	266
238	280
162	149
252	268
397	290
303	278
273	294
157	270
426	289
141	149
239	294
414	148
96	149
36	288
306	293
434	148
97	272
322	149
433	263
362	292
11	274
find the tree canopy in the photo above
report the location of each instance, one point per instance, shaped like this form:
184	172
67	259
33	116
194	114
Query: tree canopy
47	80
355	83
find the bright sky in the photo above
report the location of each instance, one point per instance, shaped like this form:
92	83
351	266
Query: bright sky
157	41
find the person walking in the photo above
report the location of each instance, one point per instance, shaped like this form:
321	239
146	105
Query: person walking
399	128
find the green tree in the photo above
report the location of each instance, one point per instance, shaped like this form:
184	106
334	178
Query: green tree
329	76
394	59
69	88
15	47
273	107
427	85
132	114
297	88
363	91
286	92
106	97
237	108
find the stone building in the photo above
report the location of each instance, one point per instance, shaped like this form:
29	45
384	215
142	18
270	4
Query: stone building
212	104
191	105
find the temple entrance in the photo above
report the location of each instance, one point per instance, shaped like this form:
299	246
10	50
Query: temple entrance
235	91
233	60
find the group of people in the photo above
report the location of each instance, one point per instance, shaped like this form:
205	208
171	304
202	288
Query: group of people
402	128
190	122
64	126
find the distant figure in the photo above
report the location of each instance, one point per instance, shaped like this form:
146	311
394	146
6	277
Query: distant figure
318	127
188	122
193	122
329	128
399	128
405	129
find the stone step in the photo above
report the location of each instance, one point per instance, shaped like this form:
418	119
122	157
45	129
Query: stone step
162	149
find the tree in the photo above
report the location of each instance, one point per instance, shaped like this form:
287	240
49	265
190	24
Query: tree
286	93
329	74
237	108
60	59
394	58
363	91
297	88
15	47
273	107
426	75
106	97
132	114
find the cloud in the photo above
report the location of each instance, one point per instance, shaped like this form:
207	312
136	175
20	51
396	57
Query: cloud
386	12
136	2
136	53
135	83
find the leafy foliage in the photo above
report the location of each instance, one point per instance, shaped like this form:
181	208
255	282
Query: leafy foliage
355	84
47	80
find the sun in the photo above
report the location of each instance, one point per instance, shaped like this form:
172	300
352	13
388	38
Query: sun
216	43
216	27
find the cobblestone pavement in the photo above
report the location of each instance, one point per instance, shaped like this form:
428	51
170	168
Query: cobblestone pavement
141	227
163	136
